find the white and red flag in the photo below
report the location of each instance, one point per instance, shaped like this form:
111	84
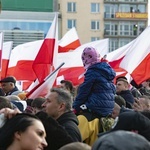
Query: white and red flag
70	41
7	47
73	67
21	60
44	60
115	57
137	60
1	46
43	88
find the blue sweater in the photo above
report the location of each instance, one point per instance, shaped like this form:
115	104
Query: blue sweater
97	91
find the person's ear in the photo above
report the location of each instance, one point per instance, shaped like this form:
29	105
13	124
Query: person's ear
62	106
17	135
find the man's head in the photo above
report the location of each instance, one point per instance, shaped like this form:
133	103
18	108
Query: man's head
121	140
142	103
121	85
57	103
66	85
5	103
37	104
8	84
146	84
116	111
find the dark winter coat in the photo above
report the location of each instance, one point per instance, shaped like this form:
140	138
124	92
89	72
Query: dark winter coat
13	90
127	95
97	91
56	135
69	122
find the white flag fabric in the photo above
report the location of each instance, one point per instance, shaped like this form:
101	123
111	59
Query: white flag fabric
102	46
73	66
1	47
21	60
7	47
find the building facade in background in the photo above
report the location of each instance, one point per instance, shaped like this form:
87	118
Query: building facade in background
87	16
124	20
119	20
25	20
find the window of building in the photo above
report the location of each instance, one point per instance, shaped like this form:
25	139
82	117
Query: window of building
113	42
71	7
71	23
95	7
95	39
141	8
110	10
111	28
95	25
124	8
127	28
124	41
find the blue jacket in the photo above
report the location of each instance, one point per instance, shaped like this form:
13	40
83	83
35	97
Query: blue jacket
97	91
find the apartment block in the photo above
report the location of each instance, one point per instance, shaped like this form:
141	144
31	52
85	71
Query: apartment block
119	20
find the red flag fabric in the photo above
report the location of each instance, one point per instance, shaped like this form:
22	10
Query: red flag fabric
137	60
44	59
1	46
7	47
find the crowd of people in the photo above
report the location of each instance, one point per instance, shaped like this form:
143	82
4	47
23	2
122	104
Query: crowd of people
104	112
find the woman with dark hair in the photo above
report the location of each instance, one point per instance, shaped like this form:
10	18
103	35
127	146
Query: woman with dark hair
23	131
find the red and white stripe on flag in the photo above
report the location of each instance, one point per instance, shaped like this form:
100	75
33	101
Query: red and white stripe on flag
7	47
70	41
44	59
1	46
137	60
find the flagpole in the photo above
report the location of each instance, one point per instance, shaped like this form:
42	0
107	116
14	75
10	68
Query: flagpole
28	94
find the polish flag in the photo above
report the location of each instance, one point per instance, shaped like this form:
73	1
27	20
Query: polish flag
137	60
43	88
115	57
70	41
7	47
21	60
44	61
1	46
73	67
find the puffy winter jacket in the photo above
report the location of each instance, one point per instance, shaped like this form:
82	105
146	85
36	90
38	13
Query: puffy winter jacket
97	91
